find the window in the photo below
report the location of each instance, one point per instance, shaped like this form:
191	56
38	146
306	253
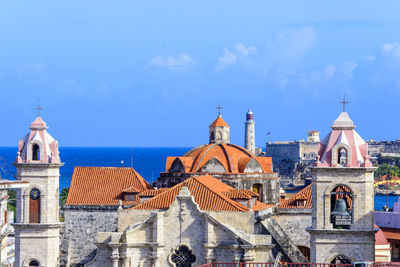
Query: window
342	156
340	260
34	206
34	263
35	152
258	189
305	251
183	257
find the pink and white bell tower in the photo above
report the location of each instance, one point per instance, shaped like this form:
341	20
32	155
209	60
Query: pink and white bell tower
342	228
37	229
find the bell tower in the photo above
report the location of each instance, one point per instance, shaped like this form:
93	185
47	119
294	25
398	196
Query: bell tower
37	229
219	129
342	228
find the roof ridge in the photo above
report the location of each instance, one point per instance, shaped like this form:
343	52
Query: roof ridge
232	202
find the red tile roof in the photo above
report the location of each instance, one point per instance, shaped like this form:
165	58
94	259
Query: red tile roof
391	233
152	192
219	122
103	185
292	203
208	192
380	238
233	158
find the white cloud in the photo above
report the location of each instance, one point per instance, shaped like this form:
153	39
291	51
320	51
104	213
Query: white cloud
179	62
391	49
369	58
330	71
243	50
292	44
233	55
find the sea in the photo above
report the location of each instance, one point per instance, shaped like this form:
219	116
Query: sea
148	161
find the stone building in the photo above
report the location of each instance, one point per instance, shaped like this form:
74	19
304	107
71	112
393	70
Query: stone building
342	228
230	163
190	223
293	159
92	206
37	229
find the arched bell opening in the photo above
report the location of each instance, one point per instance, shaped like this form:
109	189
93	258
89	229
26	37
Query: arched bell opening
341	215
340	259
34	263
342	156
35	152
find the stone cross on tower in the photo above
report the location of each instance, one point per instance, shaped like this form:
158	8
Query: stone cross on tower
38	108
219	107
344	102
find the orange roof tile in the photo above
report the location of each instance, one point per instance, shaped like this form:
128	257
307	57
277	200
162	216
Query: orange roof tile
208	193
233	158
380	238
219	122
304	194
187	163
103	185
391	233
152	192
131	189
236	194
248	192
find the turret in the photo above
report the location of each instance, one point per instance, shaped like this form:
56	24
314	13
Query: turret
249	139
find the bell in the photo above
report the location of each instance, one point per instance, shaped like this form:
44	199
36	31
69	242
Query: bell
340	208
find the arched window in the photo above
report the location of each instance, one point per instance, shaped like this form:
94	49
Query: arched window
34	206
258	189
342	156
34	263
183	257
212	136
35	152
219	135
341	260
342	207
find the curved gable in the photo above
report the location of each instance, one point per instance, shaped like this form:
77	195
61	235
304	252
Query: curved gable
213	165
253	167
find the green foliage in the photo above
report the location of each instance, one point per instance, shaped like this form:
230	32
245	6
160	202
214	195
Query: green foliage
63	196
383	169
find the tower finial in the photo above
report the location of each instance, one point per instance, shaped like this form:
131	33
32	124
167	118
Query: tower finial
219	107
38	108
344	102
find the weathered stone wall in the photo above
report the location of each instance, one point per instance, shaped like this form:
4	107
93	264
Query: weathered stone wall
211	236
82	223
295	222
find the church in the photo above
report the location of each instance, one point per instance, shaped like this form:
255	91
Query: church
217	203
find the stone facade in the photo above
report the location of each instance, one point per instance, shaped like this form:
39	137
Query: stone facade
82	223
292	160
151	238
295	222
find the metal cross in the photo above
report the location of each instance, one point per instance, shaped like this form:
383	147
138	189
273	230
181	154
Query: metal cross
344	102
219	107
38	108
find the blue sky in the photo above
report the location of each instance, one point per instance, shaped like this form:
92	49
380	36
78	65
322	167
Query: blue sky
150	73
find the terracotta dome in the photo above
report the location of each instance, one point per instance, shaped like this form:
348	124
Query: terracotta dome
219	158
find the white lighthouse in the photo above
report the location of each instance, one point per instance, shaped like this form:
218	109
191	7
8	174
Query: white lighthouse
249	139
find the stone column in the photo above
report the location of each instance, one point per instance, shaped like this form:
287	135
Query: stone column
115	254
